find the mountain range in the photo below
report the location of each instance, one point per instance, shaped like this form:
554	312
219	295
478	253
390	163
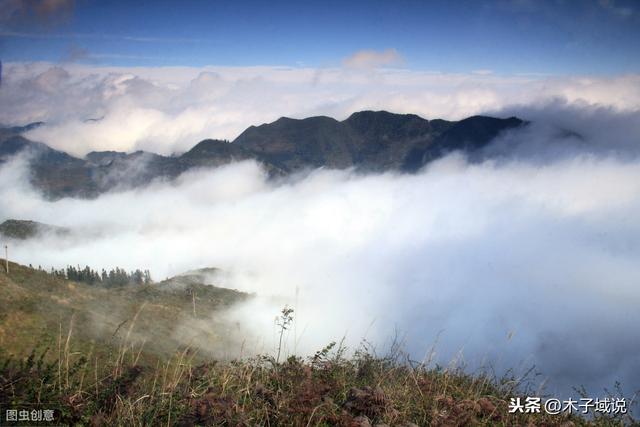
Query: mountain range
369	141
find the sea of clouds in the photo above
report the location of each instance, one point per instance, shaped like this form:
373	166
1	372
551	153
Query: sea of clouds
529	256
170	109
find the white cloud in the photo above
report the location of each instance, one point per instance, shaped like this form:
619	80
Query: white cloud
167	109
466	253
482	72
543	244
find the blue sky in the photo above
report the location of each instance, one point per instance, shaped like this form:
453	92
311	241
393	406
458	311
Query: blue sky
507	37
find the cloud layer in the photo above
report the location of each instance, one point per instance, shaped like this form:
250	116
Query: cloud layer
527	259
512	263
172	108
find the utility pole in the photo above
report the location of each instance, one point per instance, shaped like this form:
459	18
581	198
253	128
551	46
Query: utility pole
295	324
6	257
193	297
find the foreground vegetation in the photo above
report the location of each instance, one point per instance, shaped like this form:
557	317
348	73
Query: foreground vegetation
91	380
326	389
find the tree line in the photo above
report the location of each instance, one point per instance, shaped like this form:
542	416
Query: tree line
112	278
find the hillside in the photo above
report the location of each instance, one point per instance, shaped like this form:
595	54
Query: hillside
99	356
37	305
367	141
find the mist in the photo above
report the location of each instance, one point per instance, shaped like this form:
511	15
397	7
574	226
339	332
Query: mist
507	262
169	109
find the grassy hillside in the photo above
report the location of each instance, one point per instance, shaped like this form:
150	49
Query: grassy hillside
80	350
38	307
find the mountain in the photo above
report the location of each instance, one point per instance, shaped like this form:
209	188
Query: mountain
370	141
295	144
7	131
36	302
24	229
14	144
115	170
55	172
214	152
387	138
104	158
469	135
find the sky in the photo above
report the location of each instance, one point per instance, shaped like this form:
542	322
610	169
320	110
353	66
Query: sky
127	76
503	37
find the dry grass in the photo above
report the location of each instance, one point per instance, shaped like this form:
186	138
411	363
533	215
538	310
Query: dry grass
121	382
327	389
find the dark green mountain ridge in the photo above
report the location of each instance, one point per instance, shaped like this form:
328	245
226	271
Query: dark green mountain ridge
369	141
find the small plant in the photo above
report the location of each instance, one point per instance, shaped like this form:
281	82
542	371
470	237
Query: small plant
283	321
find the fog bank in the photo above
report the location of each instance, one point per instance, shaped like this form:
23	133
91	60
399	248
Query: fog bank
170	109
508	263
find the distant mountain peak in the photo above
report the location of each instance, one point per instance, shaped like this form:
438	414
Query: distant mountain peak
380	114
367	140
